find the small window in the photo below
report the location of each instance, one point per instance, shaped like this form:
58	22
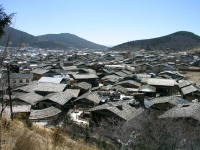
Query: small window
14	81
20	81
27	80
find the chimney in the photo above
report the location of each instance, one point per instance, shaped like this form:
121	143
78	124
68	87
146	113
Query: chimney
140	97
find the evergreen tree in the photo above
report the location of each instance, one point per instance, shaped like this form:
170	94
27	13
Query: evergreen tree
4	20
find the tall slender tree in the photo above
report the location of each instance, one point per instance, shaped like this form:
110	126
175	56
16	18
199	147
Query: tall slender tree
5	20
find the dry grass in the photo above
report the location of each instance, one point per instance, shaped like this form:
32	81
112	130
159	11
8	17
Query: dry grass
192	76
193	51
15	135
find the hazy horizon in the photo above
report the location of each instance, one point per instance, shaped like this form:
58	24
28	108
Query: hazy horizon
105	22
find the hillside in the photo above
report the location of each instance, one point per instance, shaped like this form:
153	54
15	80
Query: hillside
16	37
70	40
177	41
16	135
47	44
50	41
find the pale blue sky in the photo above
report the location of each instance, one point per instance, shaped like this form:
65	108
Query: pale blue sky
106	22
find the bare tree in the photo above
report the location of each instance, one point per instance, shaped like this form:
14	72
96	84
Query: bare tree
145	132
153	133
5	20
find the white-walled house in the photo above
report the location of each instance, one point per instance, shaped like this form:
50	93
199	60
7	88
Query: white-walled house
17	79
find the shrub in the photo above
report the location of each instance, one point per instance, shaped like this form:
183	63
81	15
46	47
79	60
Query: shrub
29	123
57	137
5	123
26	141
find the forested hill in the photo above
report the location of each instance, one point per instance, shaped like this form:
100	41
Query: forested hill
70	40
18	38
177	41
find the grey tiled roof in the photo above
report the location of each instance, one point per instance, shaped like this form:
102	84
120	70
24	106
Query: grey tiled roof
73	92
161	82
119	88
107	71
144	80
127	72
72	72
144	75
112	78
129	82
127	112
92	96
184	83
132	89
50	80
49	87
70	68
17	94
188	89
44	113
174	100
165	76
192	111
121	74
60	97
40	71
95	88
90	71
85	76
147	88
31	98
83	85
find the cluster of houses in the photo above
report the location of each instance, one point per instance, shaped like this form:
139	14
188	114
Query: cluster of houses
93	85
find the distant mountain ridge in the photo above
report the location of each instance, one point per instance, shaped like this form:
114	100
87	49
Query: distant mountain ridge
16	37
50	41
69	40
182	40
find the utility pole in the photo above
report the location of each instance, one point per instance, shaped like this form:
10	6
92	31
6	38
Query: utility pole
9	90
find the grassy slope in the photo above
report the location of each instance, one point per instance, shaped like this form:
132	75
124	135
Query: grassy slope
15	135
